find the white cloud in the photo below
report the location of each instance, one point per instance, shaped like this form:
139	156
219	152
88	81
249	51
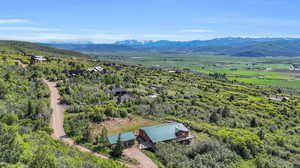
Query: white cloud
20	28
195	31
13	21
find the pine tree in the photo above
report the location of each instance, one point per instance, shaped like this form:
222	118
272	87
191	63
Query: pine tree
42	159
231	98
103	140
225	112
214	117
30	108
118	148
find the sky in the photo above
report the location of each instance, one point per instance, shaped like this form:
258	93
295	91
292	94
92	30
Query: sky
107	21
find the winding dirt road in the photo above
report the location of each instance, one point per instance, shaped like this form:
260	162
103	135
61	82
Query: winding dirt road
57	123
57	120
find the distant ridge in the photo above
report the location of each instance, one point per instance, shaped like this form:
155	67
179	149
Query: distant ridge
36	48
234	46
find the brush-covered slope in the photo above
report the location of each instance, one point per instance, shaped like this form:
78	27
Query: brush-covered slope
234	124
20	48
25	140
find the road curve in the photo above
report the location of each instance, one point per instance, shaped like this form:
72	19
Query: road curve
57	124
57	120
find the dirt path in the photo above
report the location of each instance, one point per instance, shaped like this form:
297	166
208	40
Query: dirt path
22	64
138	155
57	119
57	123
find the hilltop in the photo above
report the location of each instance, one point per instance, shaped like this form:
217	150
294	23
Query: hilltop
20	47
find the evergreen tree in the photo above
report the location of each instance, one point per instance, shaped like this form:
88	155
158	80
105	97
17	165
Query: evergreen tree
118	148
42	159
231	98
214	117
254	122
10	149
30	108
225	112
103	140
3	91
261	134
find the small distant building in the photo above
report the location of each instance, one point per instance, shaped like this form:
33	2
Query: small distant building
149	136
95	69
279	98
76	72
157	88
127	138
119	91
38	58
171	71
154	95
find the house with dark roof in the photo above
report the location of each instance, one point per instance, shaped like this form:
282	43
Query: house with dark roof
127	138
119	91
174	131
38	58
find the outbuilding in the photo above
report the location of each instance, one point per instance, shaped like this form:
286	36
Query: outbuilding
127	139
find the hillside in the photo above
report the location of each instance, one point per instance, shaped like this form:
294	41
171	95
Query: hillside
289	48
241	47
20	47
234	124
25	140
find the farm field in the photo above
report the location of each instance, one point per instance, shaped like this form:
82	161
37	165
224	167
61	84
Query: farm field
257	70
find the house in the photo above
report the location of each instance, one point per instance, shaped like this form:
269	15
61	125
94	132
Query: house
127	138
157	88
38	58
149	136
76	72
278	98
154	95
119	91
95	69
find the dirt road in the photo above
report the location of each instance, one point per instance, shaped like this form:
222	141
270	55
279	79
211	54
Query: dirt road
57	123
138	155
57	119
22	64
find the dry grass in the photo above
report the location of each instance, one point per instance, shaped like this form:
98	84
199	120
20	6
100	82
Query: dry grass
118	125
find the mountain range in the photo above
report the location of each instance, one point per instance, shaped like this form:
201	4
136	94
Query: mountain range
234	46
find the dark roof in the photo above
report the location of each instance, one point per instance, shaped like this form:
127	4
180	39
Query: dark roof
164	132
119	90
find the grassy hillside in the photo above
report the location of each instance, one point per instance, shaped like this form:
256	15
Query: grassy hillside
235	124
19	48
273	71
263	49
25	140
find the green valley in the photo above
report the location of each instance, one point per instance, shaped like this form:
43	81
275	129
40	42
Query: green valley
235	124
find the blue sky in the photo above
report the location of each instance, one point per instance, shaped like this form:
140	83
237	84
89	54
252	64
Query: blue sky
106	21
